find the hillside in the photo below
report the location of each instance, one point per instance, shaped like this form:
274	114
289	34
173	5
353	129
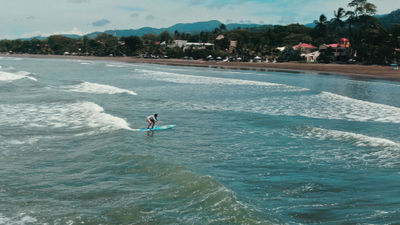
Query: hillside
389	19
181	27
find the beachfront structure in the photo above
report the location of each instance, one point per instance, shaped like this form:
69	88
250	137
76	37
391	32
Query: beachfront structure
340	49
311	57
304	48
186	45
281	49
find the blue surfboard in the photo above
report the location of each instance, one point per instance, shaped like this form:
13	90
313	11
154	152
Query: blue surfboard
165	127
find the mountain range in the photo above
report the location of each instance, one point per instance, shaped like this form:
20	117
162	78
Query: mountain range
387	20
196	27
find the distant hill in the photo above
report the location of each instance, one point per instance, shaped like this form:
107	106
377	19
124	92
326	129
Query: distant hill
181	27
310	25
73	36
389	19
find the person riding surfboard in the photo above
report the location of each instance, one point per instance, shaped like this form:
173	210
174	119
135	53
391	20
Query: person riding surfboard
152	120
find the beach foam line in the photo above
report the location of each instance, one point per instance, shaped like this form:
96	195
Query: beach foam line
117	65
79	118
193	79
95	88
9	76
11	58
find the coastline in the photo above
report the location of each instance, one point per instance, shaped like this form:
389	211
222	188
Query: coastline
351	70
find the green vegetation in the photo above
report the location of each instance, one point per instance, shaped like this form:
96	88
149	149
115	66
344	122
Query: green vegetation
373	40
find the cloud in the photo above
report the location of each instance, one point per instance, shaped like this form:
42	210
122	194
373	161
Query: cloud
79	1
150	17
44	34
135	15
30	17
246	22
101	23
286	20
132	9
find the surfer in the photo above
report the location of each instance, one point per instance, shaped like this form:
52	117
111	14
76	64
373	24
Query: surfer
152	120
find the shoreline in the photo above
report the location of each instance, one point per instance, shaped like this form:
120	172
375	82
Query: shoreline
350	70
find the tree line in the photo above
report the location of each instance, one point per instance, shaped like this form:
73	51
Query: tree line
371	42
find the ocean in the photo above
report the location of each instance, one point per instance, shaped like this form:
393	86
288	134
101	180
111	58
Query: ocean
249	147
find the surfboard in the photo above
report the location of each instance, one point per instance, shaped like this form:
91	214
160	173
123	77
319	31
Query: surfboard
165	127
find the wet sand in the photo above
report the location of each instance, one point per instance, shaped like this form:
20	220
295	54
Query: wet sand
353	70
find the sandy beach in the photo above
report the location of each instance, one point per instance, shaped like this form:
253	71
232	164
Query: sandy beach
353	70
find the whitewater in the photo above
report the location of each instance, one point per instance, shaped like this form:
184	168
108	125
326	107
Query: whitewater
249	147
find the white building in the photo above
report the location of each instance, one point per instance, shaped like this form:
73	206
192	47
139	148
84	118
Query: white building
186	45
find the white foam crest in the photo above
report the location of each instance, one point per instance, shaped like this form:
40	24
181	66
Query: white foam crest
75	117
94	88
380	151
20	141
326	106
20	219
11	58
117	65
9	76
357	139
192	79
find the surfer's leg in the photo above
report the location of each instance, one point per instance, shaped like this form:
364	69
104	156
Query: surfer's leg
150	122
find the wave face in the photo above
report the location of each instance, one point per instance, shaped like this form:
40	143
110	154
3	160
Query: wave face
94	88
248	147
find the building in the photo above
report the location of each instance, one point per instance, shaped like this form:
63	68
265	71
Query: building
187	45
311	57
341	48
305	48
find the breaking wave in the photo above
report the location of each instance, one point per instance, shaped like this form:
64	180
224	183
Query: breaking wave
9	76
94	88
373	150
78	118
192	79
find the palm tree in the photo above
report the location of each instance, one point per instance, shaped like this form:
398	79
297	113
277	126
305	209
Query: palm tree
222	27
337	21
321	25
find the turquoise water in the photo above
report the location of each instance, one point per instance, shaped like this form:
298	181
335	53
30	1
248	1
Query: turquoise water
249	147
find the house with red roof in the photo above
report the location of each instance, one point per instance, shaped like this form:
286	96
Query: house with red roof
341	48
305	48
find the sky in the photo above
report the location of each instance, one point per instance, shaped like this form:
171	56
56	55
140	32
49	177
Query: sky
28	18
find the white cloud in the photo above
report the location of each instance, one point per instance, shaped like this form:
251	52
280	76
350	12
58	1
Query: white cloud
101	23
38	33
